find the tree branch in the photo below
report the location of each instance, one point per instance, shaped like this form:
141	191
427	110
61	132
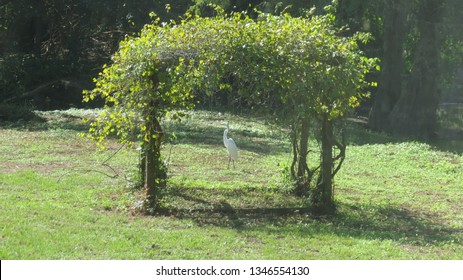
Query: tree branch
342	152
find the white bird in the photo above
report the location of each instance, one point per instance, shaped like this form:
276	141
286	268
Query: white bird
231	147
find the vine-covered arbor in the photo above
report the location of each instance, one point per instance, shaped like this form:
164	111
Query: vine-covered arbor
298	65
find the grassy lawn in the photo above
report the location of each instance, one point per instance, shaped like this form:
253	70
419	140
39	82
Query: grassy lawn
61	198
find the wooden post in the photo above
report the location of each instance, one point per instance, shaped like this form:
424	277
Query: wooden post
322	195
155	172
303	177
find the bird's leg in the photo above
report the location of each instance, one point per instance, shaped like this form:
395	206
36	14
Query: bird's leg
229	159
233	164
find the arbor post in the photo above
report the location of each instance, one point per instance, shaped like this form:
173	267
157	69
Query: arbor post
155	173
303	174
322	195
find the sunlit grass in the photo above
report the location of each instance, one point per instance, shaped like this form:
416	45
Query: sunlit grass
396	199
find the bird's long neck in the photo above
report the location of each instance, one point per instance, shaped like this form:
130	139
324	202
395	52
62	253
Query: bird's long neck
225	132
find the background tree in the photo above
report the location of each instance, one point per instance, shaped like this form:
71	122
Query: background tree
47	45
392	63
415	110
417	41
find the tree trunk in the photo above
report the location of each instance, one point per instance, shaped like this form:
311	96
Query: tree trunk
155	172
322	195
392	66
415	112
302	174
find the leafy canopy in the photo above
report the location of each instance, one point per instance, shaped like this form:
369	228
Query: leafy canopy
300	63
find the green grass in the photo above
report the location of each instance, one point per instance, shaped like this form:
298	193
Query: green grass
396	199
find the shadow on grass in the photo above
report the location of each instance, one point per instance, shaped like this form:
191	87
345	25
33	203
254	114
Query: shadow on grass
447	141
358	135
450	143
40	123
393	223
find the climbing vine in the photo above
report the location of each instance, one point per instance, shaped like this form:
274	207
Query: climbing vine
299	66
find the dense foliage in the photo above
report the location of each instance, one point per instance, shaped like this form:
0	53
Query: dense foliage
299	64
